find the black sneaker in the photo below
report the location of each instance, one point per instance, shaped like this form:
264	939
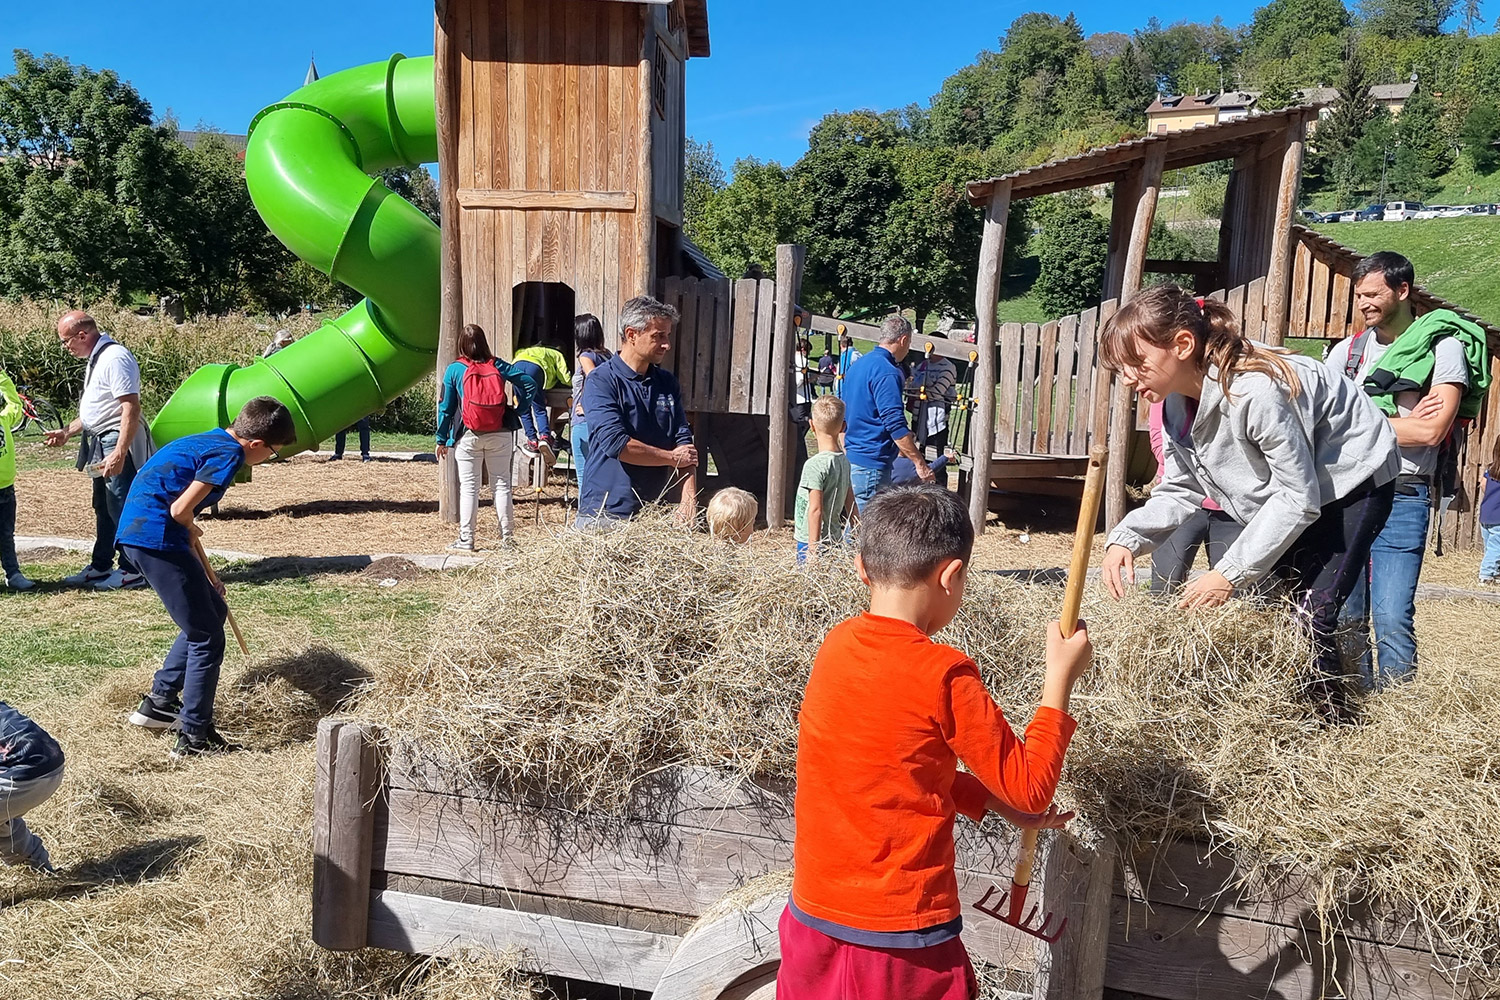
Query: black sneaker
202	746
154	715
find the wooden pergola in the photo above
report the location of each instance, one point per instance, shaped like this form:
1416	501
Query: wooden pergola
1255	241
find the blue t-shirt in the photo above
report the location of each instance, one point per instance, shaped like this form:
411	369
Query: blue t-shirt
622	405
1489	507
146	522
874	410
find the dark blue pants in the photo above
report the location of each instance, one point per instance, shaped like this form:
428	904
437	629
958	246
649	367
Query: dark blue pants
363	426
191	669
534	422
8	531
109	500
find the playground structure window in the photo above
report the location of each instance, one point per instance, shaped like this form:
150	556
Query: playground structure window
542	313
659	80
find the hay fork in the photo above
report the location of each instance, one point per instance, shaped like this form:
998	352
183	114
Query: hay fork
1010	908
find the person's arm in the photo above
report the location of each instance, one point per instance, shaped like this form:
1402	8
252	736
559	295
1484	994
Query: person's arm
62	436
12	408
1431	419
130	423
1174	499
447	413
585	366
687	507
185	507
890	410
560	370
814	523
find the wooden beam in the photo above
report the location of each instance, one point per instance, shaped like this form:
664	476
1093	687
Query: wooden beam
986	300
1278	270
347	782
1121	216
1078	881
446	63
1121	414
789	261
577	201
645	183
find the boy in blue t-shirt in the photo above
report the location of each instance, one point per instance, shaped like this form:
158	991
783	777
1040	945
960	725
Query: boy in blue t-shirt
156	534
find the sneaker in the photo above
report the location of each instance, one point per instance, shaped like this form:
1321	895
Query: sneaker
18	581
462	546
544	448
366	458
114	581
87	577
508	543
131	581
528	447
152	714
203	746
335	458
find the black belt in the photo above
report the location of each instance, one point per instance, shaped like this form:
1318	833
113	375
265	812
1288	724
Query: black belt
1407	483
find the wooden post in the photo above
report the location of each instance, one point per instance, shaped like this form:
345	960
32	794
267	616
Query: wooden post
645	204
1077	884
789	261
445	85
986	333
1278	272
1122	413
348	779
1121	216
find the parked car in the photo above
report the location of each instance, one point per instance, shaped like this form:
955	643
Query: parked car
1476	210
1401	211
1370	213
1348	215
1431	212
1312	216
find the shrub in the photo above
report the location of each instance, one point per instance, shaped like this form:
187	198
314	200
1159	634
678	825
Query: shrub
1073	248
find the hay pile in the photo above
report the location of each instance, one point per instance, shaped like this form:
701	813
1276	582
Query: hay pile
647	648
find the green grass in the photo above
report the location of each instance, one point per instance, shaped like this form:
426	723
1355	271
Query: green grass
394	441
1454	258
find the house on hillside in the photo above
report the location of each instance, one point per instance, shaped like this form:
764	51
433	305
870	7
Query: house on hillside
1175	112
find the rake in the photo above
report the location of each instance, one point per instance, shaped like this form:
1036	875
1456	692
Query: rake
1010	908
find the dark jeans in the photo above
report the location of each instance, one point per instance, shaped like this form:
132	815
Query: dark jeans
534	423
191	669
8	531
1173	560
109	500
1387	592
1321	569
363	426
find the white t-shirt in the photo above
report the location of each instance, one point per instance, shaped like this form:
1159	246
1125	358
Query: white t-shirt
1449	367
112	373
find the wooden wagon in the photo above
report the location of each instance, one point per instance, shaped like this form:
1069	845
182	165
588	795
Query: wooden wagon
408	857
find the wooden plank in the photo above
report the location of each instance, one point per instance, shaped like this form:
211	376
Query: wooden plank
1103	379
719	952
1340	305
1046	388
789	262
723	345
498	110
765	311
347	781
529	902
1088	342
601	201
572	16
986	301
1078	881
671	294
1281	233
1062	403
447	68
645	168
1235	300
557	96
1042	466
686	356
742	318
1031	337
1317	303
517	92
1009	377
1255	309
708	311
955	350
550	945
1301	279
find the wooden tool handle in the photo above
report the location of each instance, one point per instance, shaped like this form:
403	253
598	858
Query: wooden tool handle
213	578
1026	858
1083	539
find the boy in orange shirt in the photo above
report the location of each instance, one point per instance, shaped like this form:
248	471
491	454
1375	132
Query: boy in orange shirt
886	717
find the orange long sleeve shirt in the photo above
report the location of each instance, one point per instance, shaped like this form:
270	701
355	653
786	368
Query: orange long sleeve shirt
886	717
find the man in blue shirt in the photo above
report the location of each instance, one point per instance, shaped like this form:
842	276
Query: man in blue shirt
876	415
640	444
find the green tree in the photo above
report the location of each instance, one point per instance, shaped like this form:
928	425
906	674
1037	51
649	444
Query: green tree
1278	88
973	106
1336	156
1128	86
703	178
741	225
1481	133
1073	249
1278	29
416	185
1406	18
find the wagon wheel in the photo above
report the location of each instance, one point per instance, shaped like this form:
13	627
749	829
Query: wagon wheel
730	955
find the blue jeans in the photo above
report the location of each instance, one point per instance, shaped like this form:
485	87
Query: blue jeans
191	669
534	417
867	481
109	500
580	436
1387	593
8	531
363	426
1489	568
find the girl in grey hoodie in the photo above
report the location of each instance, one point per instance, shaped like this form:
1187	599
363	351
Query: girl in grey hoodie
1297	455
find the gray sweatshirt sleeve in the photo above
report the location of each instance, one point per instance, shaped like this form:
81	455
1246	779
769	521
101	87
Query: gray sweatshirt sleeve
1276	430
1173	501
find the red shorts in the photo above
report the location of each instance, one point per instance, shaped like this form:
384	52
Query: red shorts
815	966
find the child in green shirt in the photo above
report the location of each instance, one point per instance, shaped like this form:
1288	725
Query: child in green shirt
548	369
10	412
824	499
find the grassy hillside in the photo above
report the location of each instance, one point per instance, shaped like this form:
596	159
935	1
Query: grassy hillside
1454	258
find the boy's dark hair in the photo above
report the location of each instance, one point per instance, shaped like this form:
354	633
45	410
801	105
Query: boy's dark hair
908	530
588	333
1391	266
265	419
473	344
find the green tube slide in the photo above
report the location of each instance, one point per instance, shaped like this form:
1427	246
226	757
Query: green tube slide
307	166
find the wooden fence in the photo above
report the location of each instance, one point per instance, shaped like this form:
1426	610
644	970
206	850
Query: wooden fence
722	351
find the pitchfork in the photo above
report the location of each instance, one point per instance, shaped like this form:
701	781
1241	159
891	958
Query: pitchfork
1010	908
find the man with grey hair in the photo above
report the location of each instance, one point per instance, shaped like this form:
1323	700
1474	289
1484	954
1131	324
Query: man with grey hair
640	444
116	441
875	414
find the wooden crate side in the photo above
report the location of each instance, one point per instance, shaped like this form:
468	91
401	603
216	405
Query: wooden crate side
345	787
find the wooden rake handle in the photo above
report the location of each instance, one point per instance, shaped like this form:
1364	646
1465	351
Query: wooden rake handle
1078	569
213	578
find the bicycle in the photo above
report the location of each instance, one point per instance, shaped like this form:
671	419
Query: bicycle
35	413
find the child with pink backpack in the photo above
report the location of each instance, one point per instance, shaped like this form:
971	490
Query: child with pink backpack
478	423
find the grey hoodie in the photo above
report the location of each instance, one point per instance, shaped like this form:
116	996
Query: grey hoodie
1271	461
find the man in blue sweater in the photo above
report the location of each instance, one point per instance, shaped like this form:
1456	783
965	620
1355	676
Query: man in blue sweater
876	415
640	443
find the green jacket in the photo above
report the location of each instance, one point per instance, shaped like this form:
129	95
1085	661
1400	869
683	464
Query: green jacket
1407	364
552	363
9	414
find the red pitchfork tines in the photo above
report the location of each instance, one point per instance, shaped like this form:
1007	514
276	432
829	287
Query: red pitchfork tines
1012	915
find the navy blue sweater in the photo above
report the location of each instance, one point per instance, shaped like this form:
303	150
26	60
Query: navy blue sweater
26	750
622	404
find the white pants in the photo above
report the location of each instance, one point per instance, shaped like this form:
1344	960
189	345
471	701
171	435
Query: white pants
475	453
18	845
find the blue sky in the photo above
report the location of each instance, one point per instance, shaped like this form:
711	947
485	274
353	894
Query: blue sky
778	65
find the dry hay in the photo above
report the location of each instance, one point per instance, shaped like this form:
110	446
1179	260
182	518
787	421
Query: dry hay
648	647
